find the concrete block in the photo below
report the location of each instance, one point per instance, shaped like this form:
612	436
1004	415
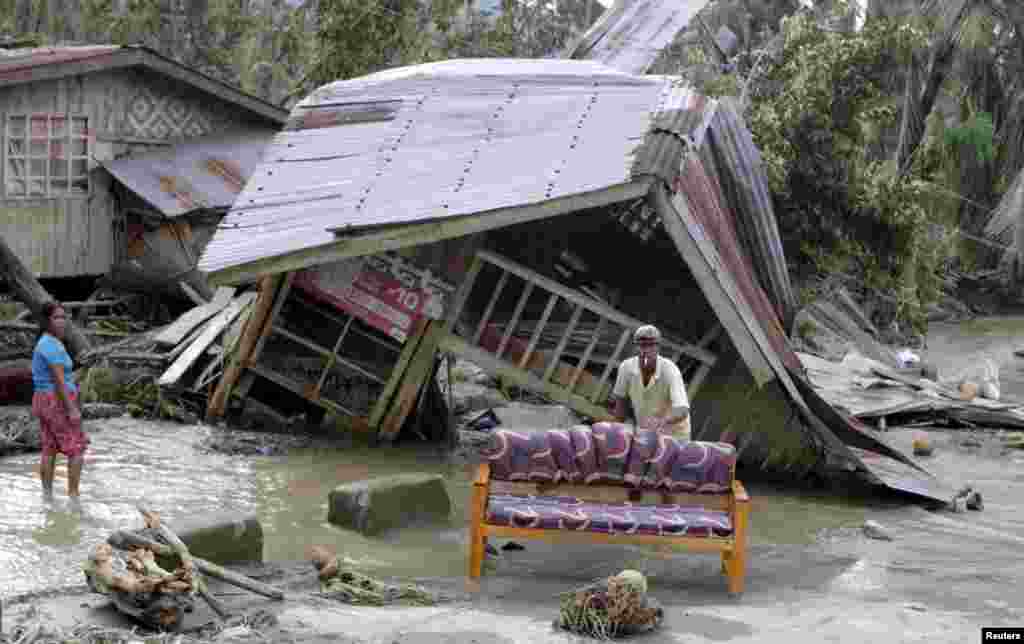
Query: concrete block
526	417
375	505
222	540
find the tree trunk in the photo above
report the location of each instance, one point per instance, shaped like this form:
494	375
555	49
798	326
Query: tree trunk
27	289
919	98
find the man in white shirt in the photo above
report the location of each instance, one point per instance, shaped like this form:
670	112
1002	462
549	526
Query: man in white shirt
654	386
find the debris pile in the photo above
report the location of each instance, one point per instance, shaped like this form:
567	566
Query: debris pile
340	582
613	607
145	590
165	373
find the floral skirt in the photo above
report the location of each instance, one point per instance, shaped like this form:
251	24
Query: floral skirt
59	433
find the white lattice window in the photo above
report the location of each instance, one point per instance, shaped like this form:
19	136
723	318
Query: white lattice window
46	155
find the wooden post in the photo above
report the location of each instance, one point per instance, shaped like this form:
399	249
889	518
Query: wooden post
250	334
27	289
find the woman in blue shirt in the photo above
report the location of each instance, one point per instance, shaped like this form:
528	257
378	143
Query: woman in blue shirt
55	402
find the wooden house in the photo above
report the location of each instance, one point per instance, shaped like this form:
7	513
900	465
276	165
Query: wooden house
67	110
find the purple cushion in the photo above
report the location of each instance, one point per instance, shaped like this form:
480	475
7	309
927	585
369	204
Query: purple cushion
586	453
645	447
701	467
659	470
569	513
612	442
509	455
564	454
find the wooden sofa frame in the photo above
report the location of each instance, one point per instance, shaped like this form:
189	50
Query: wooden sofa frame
733	549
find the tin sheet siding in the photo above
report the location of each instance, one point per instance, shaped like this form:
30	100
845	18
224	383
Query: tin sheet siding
128	110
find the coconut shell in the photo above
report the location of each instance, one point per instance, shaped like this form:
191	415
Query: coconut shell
968	391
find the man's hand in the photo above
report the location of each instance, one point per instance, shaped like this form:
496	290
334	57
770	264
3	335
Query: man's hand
74	413
653	422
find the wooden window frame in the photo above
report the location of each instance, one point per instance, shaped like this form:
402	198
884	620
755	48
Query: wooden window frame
59	151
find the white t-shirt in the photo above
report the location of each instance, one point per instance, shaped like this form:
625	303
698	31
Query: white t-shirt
665	391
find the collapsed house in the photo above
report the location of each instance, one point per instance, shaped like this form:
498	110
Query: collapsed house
526	216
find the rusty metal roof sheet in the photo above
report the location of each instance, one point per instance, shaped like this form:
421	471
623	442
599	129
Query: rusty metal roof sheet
204	174
631	33
19	63
440	140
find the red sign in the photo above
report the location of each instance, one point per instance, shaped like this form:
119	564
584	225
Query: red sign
380	294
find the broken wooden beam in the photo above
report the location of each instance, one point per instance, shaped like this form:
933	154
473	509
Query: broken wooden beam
28	290
125	540
250	336
412	381
210	332
176	332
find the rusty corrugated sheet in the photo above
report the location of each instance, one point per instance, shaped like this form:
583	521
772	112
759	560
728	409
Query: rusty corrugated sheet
18	64
707	206
745	188
435	141
208	173
631	33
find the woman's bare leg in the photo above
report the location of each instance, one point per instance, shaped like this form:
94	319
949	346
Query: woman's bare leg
47	464
74	475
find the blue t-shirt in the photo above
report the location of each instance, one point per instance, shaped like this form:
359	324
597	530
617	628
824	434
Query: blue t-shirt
50	350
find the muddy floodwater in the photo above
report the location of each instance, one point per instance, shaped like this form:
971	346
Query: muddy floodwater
43	543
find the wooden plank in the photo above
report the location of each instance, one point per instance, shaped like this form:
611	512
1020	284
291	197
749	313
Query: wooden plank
702	372
397	372
535	338
418	234
462	294
586	354
490	307
191	293
516	314
573	321
209	334
334	356
486	361
612	362
420	368
176	332
594	306
279	299
178	350
695	544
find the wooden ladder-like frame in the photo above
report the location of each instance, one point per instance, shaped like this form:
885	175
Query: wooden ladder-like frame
591	403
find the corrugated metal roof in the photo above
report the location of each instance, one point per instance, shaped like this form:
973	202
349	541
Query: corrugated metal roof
631	33
203	174
439	140
19	63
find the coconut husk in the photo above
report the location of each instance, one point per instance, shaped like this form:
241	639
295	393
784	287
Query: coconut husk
343	583
609	608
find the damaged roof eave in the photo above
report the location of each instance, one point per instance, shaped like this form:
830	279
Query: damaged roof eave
394	237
